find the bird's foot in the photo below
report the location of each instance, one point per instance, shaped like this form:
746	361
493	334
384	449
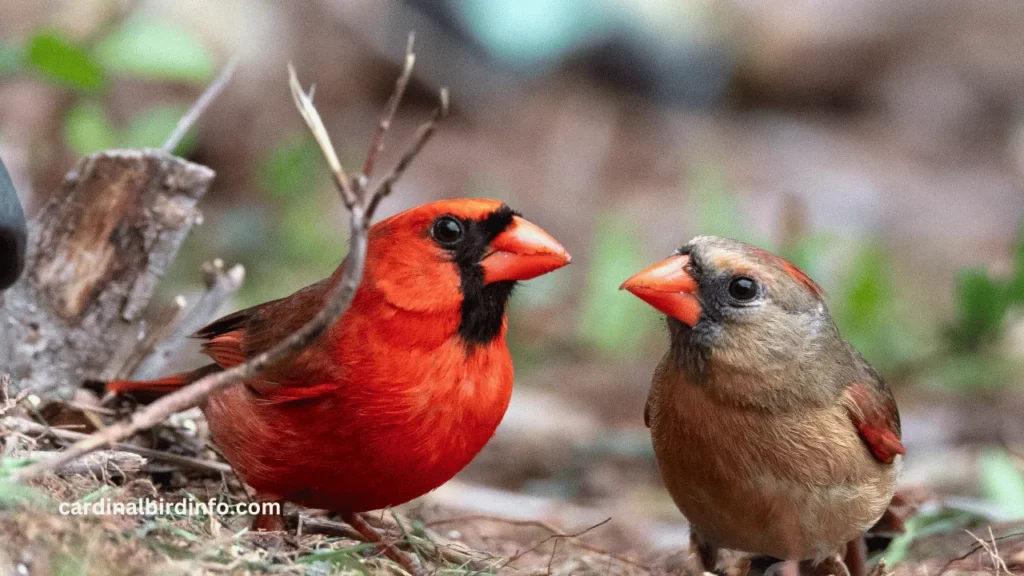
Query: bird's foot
830	566
269	523
406	561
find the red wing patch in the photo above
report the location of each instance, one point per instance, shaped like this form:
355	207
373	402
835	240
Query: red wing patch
873	412
226	348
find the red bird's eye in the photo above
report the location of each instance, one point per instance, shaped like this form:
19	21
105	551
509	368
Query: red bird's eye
743	289
447	230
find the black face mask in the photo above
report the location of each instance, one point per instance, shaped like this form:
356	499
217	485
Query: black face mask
13	234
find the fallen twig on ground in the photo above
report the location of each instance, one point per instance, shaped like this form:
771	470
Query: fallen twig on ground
23	426
555	533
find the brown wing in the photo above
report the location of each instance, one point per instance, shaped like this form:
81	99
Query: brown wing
241	335
873	411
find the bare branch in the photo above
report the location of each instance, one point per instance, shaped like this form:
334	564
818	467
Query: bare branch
391	108
361	207
423	135
200	105
304	102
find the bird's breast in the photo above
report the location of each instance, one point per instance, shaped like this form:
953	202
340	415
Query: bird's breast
400	423
795	485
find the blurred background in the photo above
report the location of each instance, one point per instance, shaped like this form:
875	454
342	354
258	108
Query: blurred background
879	145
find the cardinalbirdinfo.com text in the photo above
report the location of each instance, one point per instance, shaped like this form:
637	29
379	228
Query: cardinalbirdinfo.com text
161	507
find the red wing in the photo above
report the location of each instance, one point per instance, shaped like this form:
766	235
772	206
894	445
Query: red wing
239	336
873	411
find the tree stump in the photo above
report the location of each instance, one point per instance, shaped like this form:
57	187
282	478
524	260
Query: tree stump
95	253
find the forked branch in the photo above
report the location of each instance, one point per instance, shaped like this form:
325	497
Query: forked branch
361	205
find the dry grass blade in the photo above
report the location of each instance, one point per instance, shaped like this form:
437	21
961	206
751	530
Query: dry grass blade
304	103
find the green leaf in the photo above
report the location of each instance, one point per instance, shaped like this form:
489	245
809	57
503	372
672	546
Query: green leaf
61	61
1016	291
927	524
983	304
614	321
1003	483
87	129
151	127
291	167
156	49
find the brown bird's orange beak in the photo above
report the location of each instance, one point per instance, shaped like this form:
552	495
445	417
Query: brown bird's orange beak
521	252
668	287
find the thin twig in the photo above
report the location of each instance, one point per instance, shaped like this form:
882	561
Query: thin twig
221	285
23	426
200	105
423	135
544	526
975	547
390	108
361	209
555	536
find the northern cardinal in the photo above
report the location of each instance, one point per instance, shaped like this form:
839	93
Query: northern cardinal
772	433
404	390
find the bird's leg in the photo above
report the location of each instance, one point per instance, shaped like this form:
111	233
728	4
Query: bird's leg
265	522
856	556
830	566
703	556
371	534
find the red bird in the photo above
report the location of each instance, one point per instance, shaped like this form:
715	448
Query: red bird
404	390
772	434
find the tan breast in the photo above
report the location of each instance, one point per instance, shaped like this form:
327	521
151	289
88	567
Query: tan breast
797	485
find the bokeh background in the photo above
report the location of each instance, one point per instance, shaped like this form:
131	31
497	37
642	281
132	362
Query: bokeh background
879	145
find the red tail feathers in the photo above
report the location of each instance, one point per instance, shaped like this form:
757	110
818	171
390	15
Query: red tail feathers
161	385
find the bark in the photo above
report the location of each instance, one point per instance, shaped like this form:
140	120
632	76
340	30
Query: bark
96	251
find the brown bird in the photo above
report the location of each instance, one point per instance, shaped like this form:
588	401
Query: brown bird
772	433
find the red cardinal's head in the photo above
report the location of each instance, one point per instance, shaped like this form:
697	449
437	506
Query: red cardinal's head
459	256
738	303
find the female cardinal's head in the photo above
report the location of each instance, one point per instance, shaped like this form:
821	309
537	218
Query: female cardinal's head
737	307
459	256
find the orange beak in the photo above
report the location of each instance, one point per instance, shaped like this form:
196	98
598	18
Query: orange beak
521	252
668	287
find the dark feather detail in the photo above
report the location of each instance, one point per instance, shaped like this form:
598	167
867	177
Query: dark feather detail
873	412
483	305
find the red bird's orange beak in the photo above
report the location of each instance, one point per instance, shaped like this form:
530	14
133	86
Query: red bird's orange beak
668	287
521	252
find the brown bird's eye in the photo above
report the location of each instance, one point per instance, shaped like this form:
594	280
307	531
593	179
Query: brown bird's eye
743	289
447	230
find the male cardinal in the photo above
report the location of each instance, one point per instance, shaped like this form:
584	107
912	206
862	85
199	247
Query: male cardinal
773	434
404	390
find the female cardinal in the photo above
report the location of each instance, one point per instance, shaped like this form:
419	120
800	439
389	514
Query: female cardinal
772	434
404	390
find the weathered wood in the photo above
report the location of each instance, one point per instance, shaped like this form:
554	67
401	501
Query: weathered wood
221	285
96	251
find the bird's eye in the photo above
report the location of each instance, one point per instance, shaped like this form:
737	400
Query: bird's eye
743	289
447	230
